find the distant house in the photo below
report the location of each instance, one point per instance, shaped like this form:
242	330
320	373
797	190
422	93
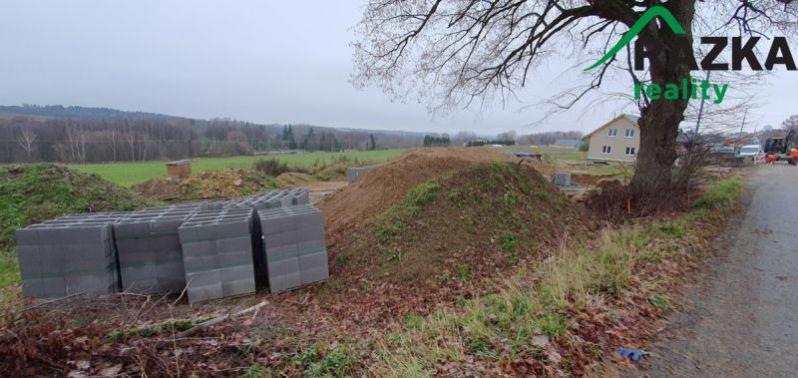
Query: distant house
566	143
617	140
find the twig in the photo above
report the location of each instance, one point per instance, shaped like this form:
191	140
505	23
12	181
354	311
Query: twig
133	294
51	301
182	293
138	313
174	339
197	327
218	320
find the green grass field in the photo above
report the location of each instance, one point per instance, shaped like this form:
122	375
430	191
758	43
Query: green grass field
131	173
566	154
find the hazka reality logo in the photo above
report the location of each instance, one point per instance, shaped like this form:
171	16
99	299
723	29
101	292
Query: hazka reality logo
779	54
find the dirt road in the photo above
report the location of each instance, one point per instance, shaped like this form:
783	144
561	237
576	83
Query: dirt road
742	319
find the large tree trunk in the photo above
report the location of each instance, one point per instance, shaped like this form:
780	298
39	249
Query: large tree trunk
659	121
659	127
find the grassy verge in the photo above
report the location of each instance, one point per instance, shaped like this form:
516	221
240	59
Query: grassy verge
131	173
632	263
722	195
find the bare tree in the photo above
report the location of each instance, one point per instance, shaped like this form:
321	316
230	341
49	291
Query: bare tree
507	135
130	138
790	123
112	142
454	52
26	140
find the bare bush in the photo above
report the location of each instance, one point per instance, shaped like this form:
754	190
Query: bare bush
691	164
271	167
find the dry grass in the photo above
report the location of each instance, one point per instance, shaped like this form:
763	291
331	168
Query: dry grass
546	299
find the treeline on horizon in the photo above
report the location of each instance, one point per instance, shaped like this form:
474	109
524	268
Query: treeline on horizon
93	135
85	140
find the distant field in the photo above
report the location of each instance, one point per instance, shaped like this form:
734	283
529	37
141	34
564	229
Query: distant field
131	173
568	154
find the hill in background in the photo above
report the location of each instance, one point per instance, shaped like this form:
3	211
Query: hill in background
79	112
77	134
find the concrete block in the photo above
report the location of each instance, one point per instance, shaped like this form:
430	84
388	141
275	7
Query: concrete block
562	179
300	197
204	285
27	236
32	287
313	268
66	256
294	246
355	173
218	253
238	287
149	249
30	261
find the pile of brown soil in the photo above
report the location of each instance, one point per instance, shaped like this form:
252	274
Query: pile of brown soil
227	183
449	236
387	185
468	223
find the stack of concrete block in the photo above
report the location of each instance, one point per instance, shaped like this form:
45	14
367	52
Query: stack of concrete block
68	255
256	202
148	246
294	246
280	198
204	205
562	179
217	248
218	253
300	197
275	199
355	173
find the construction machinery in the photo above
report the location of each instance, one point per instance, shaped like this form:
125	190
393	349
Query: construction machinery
782	147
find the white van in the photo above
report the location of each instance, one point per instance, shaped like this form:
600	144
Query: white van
750	150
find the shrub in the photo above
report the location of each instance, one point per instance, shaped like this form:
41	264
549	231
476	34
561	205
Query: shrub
691	166
271	167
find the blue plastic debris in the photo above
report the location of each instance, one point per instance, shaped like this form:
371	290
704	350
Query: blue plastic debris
632	354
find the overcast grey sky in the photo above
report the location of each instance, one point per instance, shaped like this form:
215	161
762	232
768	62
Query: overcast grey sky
254	60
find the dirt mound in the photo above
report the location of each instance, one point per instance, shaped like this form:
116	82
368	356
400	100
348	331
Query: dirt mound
227	183
33	193
387	185
452	236
484	217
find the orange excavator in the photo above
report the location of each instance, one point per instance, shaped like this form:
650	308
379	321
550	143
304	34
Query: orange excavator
783	148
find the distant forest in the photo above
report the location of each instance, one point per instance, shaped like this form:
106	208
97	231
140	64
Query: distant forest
31	133
86	135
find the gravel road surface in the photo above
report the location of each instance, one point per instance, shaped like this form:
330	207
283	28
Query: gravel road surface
742	318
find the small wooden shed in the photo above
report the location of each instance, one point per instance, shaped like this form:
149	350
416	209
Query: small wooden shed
179	168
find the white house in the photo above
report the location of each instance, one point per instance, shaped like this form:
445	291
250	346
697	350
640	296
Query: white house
617	140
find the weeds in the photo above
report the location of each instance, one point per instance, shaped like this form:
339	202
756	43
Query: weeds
342	259
722	195
661	302
322	360
254	371
508	241
540	301
390	224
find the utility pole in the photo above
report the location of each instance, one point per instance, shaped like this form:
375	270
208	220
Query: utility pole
700	111
740	136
